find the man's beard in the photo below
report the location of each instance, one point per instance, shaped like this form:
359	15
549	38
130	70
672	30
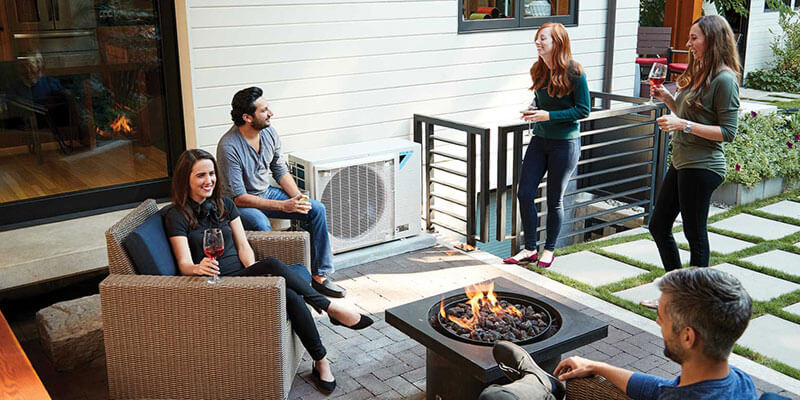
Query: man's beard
672	354
259	125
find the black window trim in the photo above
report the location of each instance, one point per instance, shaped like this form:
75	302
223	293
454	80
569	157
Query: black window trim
518	22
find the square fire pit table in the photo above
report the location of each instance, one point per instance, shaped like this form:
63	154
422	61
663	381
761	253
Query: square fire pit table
456	369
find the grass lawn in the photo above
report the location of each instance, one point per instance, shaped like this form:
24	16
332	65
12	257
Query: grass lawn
774	306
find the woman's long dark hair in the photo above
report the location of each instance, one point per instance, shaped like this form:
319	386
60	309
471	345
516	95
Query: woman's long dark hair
720	53
558	80
180	185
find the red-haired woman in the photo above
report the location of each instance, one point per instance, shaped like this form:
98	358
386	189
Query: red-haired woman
562	98
198	205
705	113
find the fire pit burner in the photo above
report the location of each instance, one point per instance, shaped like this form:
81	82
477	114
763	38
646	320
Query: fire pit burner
511	317
457	369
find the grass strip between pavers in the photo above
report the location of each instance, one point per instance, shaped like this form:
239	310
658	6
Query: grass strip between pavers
760	245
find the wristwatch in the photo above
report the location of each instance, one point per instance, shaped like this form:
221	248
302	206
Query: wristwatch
687	128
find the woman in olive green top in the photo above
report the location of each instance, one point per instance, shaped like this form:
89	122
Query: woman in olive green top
704	114
562	98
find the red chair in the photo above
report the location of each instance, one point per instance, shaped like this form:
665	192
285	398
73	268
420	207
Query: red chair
676	68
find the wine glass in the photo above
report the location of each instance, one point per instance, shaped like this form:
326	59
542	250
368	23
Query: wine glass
657	76
213	246
529	108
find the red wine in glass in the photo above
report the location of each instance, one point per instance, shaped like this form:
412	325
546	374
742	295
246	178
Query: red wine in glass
213	246
214	252
658	73
656	82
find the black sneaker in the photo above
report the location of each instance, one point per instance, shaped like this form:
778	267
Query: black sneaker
515	363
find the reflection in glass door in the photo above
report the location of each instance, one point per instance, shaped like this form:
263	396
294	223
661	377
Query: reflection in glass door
82	102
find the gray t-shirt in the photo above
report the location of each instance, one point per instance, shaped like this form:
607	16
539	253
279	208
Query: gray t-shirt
242	169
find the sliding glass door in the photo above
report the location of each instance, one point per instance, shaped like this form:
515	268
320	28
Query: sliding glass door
89	105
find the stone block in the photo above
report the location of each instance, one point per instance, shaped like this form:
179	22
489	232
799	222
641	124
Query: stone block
71	332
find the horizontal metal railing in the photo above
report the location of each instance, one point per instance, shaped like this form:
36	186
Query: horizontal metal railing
633	182
466	209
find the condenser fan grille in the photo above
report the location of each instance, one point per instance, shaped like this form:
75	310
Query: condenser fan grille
357	201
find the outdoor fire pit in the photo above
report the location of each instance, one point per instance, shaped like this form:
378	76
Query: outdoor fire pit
459	327
482	316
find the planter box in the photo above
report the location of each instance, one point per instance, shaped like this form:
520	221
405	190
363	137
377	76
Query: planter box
735	193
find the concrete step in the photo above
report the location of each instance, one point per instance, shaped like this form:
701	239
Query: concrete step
51	251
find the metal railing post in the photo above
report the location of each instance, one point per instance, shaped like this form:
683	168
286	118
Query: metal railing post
471	185
483	200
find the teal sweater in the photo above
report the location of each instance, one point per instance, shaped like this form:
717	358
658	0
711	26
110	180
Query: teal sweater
564	111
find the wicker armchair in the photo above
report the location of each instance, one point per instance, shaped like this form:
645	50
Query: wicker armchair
593	388
180	337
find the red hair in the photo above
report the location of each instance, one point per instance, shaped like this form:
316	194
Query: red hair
557	79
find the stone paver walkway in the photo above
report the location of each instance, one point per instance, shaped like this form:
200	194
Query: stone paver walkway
381	362
752	225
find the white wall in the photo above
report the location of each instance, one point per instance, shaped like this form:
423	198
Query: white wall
762	29
343	72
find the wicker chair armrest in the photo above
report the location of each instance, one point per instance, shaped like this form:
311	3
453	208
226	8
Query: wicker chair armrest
289	247
157	328
593	387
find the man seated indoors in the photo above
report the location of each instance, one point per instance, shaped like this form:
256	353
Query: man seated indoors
702	312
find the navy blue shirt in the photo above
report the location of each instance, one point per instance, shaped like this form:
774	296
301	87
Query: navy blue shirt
177	225
737	385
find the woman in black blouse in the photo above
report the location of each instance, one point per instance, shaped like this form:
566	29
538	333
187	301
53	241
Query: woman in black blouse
198	205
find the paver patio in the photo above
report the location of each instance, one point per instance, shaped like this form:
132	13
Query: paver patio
643	250
794	308
778	260
594	269
756	226
774	337
761	287
718	243
783	208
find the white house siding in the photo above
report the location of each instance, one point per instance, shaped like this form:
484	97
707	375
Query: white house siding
344	72
762	29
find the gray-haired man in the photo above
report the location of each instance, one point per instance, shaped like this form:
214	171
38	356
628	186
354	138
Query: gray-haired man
702	312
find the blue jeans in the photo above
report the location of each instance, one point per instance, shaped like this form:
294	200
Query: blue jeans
558	158
315	222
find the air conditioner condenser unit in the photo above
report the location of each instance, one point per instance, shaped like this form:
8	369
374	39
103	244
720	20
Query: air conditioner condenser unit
371	190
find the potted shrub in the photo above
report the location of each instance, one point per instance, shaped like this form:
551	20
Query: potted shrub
763	159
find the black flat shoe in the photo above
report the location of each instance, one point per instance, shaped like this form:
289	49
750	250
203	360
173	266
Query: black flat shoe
364	322
323	386
328	288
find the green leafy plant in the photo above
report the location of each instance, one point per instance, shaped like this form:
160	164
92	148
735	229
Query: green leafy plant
767	146
651	12
773	80
737	6
782	74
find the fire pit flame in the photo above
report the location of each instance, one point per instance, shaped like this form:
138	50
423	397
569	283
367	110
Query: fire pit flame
479	295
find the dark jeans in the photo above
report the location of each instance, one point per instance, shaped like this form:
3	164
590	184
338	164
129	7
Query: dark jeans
558	158
687	191
298	292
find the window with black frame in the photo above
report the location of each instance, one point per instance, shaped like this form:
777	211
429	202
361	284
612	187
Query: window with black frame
483	15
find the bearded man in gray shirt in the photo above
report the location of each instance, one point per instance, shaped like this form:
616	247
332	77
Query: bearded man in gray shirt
248	154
